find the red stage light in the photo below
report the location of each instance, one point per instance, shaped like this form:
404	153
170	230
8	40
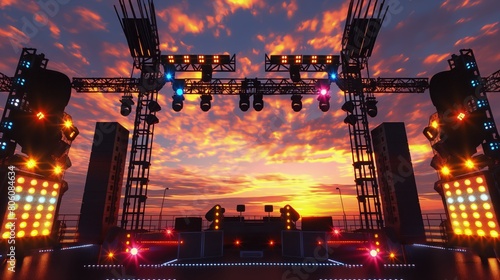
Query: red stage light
134	251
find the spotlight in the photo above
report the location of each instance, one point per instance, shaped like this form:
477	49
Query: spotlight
178	86
258	102
177	102
430	133
206	73
153	106
371	106
244	102
348	107
169	72
295	73
296	102
126	107
205	103
351	119
322	86
332	71
152	119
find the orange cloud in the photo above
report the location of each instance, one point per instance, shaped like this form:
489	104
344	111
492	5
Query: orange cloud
178	21
6	3
435	58
308	25
290	8
282	44
453	5
90	19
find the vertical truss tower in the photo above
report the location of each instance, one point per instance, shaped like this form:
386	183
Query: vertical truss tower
362	26
140	28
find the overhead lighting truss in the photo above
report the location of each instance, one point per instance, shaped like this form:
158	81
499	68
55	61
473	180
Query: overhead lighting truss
230	86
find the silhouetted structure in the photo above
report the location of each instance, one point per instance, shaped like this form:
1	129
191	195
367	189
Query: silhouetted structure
101	197
397	182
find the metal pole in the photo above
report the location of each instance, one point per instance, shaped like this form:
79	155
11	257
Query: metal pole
343	210
161	209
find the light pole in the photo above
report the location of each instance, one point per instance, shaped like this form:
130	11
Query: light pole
343	210
161	209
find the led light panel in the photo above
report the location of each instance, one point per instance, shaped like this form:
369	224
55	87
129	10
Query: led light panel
470	207
35	207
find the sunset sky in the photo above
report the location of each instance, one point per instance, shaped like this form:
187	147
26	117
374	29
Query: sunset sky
275	156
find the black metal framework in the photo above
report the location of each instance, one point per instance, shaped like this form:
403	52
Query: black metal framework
362	25
141	31
16	99
492	82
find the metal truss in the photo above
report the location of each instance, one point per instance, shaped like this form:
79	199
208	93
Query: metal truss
362	25
492	82
267	86
5	83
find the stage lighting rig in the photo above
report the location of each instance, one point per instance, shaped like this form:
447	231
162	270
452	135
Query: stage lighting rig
205	103
126	107
371	106
244	103
323	87
296	102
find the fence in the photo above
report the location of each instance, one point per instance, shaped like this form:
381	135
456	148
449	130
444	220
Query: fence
433	225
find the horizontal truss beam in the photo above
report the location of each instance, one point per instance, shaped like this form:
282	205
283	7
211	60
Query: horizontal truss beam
266	86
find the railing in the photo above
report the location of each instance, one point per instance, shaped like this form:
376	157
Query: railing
433	225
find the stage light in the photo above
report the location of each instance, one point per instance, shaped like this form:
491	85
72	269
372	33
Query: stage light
322	87
392	255
373	253
351	119
31	163
258	102
371	106
205	103
35	212
169	72
431	133
126	107
215	215
68	129
469	164
296	102
152	119
40	115
295	73
348	107
332	71
289	216
58	170
134	251
206	73
111	255
445	171
244	102
469	206
153	106
177	102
